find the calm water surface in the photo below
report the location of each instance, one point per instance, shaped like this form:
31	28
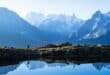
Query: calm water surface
43	68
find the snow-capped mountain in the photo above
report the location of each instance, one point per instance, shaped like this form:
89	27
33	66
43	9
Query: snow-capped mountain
59	27
34	18
52	29
56	28
16	32
60	24
95	30
54	23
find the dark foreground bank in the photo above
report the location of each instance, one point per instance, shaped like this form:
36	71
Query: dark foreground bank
78	53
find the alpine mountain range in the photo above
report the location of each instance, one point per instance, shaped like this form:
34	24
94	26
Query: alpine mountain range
38	30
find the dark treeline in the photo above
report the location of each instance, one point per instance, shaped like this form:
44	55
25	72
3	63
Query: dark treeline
62	51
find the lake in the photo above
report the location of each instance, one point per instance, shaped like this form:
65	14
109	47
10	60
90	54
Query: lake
38	67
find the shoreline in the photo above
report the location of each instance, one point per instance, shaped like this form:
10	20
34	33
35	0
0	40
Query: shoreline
71	54
59	52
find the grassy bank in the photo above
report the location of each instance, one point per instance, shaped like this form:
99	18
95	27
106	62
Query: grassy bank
59	52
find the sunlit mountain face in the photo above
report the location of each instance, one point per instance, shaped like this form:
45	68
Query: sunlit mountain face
95	30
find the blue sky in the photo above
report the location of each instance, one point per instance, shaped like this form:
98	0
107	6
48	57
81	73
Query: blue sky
81	8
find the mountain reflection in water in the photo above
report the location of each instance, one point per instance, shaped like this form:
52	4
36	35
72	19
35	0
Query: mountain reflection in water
44	68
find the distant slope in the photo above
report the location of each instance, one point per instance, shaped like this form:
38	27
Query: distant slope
16	32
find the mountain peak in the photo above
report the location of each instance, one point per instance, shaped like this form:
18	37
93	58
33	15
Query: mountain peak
108	12
3	9
97	14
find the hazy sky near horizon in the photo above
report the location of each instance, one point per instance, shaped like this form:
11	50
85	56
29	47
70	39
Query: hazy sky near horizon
81	8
